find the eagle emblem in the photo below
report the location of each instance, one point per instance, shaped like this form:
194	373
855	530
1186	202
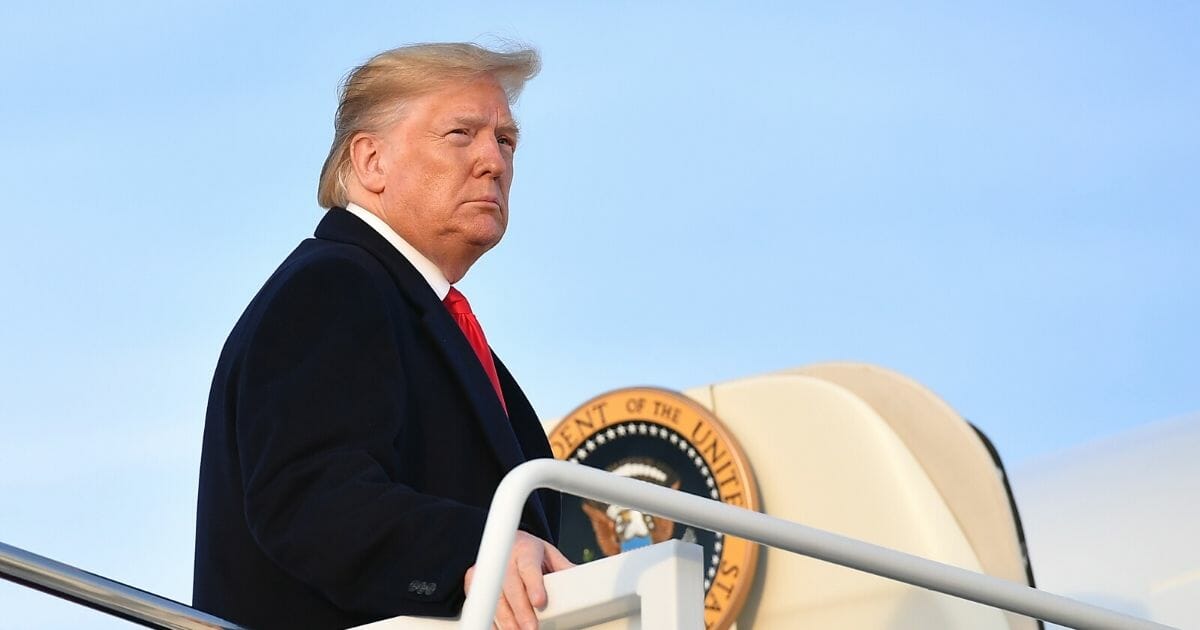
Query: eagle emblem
619	528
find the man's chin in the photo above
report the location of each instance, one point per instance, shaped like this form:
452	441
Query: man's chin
486	236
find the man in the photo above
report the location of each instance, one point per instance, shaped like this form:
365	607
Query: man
358	423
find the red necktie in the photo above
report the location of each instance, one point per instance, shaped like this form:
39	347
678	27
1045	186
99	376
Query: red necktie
460	310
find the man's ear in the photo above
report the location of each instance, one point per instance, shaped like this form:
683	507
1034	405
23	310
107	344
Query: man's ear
366	160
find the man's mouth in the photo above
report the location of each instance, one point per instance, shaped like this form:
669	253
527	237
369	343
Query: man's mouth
491	201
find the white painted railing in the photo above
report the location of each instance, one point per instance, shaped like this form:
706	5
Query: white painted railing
514	490
148	609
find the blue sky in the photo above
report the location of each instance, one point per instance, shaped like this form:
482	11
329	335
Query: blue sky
1000	201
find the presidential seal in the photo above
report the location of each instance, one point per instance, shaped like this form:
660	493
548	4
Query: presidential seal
665	438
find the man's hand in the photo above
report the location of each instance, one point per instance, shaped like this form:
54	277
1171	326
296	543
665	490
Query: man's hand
523	588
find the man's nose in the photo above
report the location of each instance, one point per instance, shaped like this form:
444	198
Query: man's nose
490	160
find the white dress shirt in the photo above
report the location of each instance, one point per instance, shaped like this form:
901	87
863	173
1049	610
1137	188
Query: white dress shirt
434	276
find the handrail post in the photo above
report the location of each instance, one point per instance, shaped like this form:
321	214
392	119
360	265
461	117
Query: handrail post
499	532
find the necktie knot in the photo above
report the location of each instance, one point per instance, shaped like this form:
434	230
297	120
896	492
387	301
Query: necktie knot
457	303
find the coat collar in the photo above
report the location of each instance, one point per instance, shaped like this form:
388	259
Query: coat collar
342	226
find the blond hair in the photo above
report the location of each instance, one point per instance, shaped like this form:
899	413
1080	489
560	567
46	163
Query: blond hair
373	95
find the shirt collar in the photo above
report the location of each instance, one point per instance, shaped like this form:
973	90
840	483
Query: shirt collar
434	276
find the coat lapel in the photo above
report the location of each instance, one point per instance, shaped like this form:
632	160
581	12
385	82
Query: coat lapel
496	424
342	226
529	432
479	389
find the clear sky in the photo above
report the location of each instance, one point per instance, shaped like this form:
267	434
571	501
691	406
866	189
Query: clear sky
1001	201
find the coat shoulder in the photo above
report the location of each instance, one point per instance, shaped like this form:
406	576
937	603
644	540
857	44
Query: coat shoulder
321	282
316	260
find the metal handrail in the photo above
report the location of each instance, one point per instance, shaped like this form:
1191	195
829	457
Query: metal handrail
150	610
514	490
100	593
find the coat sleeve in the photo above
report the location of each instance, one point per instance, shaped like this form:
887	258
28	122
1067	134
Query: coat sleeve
320	404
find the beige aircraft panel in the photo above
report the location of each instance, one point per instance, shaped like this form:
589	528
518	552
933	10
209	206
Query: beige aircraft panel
825	458
868	453
953	456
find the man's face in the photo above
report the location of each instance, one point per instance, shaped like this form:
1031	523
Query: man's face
448	165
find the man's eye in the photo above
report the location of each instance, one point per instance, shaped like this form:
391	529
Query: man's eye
507	141
462	132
